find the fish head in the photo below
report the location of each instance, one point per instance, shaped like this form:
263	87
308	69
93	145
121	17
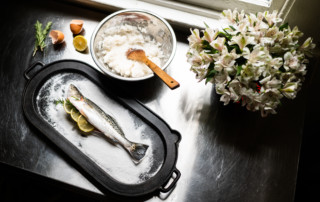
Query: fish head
73	92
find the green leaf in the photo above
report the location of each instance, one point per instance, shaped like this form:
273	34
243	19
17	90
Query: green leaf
239	68
205	24
237	18
225	34
250	46
208	48
284	26
234	29
211	72
234	46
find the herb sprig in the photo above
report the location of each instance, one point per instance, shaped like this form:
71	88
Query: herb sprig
41	36
58	101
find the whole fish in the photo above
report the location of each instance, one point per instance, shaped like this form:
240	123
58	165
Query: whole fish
105	123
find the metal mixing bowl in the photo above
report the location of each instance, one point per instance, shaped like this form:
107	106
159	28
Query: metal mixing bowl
157	28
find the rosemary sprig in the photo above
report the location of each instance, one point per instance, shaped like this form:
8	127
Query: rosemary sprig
41	36
59	101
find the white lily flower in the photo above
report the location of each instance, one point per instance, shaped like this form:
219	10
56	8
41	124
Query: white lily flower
220	88
225	98
296	33
272	18
307	46
290	90
259	56
302	69
194	57
222	78
276	63
272	32
228	14
242	41
273	84
226	59
266	41
210	34
265	80
246	53
218	43
291	61
267	110
194	38
206	58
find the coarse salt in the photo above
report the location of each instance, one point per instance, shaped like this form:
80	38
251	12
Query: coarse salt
118	40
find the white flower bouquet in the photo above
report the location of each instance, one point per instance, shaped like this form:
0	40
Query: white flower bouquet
252	61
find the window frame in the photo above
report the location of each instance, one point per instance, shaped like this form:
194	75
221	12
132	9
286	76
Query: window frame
185	15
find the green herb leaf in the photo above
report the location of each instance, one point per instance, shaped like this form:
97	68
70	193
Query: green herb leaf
59	101
41	36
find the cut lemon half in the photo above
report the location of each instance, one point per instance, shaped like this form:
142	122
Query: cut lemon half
75	114
80	43
84	125
67	106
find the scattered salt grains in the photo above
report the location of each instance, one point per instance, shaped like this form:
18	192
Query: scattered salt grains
118	40
112	158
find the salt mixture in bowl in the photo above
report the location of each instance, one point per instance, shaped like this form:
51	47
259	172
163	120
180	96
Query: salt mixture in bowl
117	41
137	29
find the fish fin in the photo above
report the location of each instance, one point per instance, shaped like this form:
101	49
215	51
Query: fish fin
138	151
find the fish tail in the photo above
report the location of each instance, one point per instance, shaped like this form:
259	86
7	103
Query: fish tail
138	151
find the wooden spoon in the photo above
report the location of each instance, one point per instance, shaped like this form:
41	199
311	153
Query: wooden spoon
139	55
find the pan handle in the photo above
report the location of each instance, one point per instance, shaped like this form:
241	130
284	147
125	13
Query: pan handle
165	189
25	74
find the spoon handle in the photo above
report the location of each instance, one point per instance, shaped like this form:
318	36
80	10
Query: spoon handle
166	78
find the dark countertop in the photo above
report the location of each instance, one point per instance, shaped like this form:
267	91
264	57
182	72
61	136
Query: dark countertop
226	152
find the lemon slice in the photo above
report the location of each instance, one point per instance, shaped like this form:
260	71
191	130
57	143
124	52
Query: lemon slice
67	106
75	114
84	125
80	43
